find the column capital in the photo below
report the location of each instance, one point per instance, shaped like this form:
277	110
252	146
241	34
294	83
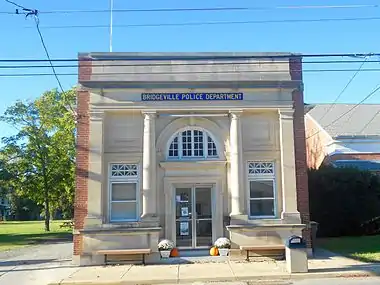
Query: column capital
286	114
149	113
97	115
235	113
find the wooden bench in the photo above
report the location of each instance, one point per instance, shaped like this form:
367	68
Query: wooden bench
69	224
261	247
142	251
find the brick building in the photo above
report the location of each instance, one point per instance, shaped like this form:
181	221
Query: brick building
342	137
189	147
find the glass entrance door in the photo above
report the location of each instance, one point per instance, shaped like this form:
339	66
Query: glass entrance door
193	217
203	217
184	221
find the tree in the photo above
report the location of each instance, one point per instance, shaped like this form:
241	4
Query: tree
41	155
5	176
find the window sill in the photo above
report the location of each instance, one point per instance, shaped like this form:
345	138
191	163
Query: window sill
197	164
123	221
263	218
264	226
121	228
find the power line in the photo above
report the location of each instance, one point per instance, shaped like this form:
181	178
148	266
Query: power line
194	57
47	53
205	9
24	11
32	12
350	110
289	21
343	90
187	64
370	121
186	72
17	5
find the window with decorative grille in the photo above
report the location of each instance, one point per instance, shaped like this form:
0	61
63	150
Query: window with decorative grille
262	198
192	144
124	201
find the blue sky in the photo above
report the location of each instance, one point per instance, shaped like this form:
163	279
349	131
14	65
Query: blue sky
21	41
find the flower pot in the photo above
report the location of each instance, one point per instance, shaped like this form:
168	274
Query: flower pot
165	253
223	251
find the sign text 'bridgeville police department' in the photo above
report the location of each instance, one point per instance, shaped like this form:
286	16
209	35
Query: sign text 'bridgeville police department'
190	96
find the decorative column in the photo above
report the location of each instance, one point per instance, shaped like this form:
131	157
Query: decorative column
95	171
149	201
236	185
288	169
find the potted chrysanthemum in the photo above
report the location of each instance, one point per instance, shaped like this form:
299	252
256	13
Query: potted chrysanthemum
165	246
223	244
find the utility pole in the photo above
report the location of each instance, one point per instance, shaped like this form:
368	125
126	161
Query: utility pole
111	23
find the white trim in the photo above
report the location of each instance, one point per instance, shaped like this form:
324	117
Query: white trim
205	135
354	140
355	160
193	115
218	133
218	188
120	180
262	177
128	170
193	218
351	152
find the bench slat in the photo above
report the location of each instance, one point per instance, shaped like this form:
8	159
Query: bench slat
124	251
262	247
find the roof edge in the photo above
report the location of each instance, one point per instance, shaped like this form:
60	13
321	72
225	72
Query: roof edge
284	84
347	137
185	55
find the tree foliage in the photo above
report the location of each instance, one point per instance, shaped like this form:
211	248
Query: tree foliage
5	176
40	157
342	200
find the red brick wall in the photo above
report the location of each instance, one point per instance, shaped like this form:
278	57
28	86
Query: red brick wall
85	69
295	66
82	155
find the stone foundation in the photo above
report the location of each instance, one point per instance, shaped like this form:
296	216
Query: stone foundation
116	238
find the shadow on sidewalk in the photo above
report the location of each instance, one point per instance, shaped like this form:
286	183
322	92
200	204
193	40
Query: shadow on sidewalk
371	269
55	263
322	254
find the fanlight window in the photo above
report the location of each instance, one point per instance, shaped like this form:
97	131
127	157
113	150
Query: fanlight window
192	144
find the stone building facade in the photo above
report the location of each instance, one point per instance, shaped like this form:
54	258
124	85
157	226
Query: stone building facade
189	147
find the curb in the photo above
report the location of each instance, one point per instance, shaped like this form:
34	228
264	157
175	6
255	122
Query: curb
263	278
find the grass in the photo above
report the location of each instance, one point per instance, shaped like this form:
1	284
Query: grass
18	234
364	248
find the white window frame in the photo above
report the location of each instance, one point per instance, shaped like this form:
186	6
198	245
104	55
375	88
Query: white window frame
132	179
180	156
262	177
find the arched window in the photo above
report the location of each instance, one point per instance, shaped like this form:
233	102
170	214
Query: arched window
192	143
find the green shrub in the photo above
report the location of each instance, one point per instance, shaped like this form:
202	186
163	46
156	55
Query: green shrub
342	200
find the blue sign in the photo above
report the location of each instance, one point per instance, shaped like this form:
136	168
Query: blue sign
191	96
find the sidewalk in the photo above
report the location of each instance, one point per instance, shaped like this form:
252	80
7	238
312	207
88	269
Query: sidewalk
325	265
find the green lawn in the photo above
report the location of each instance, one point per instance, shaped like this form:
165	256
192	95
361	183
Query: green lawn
18	234
366	248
